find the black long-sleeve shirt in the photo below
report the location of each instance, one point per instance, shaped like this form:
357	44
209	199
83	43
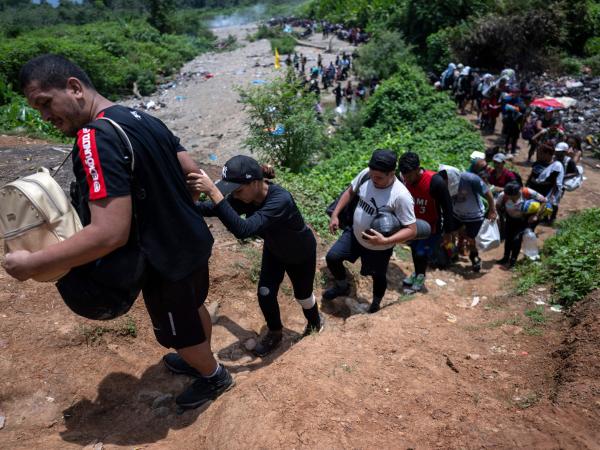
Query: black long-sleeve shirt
277	220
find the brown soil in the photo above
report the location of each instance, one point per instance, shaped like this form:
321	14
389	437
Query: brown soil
427	371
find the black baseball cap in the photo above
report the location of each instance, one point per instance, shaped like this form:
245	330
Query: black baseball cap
383	160
238	170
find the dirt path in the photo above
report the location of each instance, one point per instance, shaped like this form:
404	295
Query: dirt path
206	113
434	370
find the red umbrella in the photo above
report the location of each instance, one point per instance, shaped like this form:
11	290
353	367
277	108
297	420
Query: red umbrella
547	102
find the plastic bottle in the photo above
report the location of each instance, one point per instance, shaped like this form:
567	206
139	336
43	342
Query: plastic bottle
530	244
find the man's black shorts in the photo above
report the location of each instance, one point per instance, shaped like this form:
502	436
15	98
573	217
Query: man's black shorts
347	248
173	307
471	229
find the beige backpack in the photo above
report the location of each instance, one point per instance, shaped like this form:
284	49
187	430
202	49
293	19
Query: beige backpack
34	214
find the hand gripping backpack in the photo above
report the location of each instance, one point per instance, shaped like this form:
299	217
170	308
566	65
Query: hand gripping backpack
34	214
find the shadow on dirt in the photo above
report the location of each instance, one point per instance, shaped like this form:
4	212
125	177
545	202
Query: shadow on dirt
236	353
129	410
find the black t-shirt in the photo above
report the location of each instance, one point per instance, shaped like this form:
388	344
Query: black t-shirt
172	232
277	220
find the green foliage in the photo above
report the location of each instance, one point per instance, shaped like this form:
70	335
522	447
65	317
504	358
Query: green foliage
114	54
592	46
405	113
284	45
536	315
283	42
352	12
526	39
160	11
571	66
439	51
279	105
17	116
571	258
422	18
593	62
382	56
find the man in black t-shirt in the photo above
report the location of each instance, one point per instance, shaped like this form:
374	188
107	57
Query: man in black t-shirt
168	228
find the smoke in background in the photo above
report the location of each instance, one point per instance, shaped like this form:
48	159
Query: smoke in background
243	17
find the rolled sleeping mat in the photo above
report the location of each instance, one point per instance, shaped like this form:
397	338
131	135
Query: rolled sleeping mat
423	230
386	223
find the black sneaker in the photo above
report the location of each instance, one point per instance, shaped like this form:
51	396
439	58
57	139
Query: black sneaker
335	291
268	343
177	365
205	389
502	261
475	263
310	329
375	306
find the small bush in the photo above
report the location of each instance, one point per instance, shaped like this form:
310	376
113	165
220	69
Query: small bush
284	45
592	46
283	124
593	62
571	66
382	56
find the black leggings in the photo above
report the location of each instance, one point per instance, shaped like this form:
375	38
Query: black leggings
301	275
373	262
513	233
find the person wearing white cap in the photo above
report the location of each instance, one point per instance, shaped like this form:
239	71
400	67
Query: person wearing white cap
500	176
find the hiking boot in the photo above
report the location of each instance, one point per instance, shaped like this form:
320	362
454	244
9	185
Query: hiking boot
475	263
419	283
335	291
177	365
310	329
375	306
408	281
268	343
502	261
204	390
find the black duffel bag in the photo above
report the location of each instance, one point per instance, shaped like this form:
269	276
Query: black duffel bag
346	215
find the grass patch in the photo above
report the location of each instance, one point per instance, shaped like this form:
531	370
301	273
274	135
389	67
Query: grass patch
516	321
123	327
536	315
570	260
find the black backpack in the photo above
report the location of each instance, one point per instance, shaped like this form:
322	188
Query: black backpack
346	215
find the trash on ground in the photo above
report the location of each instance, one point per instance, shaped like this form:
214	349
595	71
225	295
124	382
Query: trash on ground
556	308
258	81
475	301
440	283
451	317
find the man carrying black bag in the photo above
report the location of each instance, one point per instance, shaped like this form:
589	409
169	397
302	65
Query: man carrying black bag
377	192
143	215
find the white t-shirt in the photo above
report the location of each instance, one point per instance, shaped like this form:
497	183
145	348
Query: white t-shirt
394	198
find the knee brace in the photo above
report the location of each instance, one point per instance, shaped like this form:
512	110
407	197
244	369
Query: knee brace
307	303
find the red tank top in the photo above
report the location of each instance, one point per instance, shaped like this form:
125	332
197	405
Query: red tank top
426	207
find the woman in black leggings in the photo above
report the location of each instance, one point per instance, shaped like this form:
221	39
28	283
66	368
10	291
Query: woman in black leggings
289	245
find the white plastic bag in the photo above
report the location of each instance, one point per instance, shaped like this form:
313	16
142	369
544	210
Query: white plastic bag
573	183
488	236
